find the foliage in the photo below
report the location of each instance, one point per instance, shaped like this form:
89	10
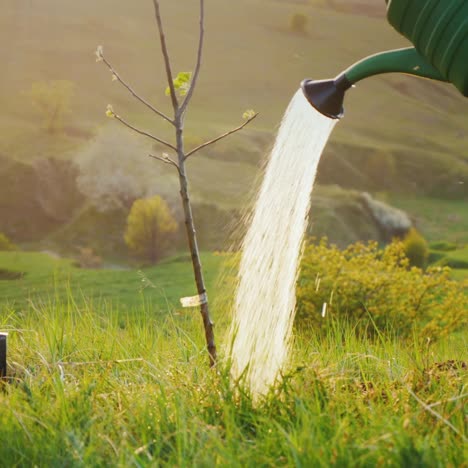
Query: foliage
416	248
378	288
181	83
150	228
90	388
443	246
109	176
5	243
53	101
96	229
298	23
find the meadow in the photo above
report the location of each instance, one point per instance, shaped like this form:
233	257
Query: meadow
104	371
104	366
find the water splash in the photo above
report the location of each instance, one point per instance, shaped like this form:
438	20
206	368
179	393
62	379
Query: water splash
265	299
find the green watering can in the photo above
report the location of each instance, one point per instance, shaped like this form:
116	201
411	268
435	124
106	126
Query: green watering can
439	31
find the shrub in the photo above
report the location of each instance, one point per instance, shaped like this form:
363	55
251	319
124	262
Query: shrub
443	246
368	287
298	23
150	228
5	243
457	262
416	248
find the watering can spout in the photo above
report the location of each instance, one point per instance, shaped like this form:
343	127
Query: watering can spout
327	96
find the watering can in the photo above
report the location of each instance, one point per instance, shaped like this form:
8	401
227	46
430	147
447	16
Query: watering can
439	31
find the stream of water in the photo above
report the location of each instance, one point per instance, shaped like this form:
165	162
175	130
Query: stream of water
265	298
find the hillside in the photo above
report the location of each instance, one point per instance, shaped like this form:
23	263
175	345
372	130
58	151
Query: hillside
252	60
399	135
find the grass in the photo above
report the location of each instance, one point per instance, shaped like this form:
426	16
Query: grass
47	279
88	389
107	372
437	219
101	374
456	259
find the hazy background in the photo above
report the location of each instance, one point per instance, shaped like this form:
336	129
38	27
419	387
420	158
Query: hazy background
403	139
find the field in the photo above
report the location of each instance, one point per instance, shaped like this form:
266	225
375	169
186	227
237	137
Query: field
44	279
105	368
120	378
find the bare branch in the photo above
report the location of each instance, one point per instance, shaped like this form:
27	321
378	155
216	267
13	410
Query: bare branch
436	414
193	84
437	403
167	62
90	363
224	135
142	132
133	92
166	160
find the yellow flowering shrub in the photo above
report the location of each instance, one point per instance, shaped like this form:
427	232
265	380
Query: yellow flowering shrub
373	287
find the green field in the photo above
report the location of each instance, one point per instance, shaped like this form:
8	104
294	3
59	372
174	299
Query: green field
103	375
46	279
104	366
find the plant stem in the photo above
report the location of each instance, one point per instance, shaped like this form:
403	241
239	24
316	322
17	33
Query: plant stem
193	243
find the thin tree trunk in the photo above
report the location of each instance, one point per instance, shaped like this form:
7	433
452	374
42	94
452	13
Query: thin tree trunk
193	245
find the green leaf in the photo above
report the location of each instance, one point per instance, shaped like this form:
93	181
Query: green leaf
181	83
249	114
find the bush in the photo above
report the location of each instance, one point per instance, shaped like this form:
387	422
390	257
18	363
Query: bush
416	248
375	288
457	262
150	228
443	246
5	243
298	23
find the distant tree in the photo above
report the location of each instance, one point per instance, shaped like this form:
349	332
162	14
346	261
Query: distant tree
109	177
52	99
181	88
298	23
150	228
5	243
